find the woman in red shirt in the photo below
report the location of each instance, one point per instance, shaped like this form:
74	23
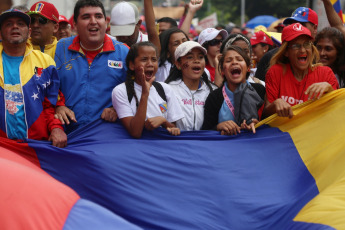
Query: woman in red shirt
294	77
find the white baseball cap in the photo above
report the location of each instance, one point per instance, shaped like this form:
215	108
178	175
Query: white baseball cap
186	47
210	33
124	17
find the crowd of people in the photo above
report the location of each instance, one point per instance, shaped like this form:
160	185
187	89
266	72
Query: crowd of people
58	75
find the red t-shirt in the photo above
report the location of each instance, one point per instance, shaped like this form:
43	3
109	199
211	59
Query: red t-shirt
286	86
90	55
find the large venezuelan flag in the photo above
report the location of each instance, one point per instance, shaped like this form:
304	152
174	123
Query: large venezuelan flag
289	175
337	7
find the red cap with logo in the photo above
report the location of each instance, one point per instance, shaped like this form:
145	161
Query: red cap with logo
293	31
260	37
63	19
46	10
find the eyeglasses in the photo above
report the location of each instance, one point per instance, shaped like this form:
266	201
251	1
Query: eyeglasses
41	20
215	42
306	45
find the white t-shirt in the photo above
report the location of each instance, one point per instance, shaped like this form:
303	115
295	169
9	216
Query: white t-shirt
156	106
192	104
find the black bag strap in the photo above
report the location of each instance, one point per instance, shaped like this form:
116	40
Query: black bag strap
129	93
159	88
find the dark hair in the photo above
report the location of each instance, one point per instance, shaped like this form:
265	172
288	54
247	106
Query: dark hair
172	22
338	41
240	52
164	38
132	54
84	3
229	28
235	37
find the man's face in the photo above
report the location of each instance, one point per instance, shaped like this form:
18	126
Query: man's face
132	39
163	26
42	30
311	27
14	31
91	26
64	30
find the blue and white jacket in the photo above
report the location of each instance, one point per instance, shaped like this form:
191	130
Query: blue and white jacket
87	89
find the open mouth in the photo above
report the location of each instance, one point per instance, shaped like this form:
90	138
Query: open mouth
236	72
196	69
93	30
302	59
148	74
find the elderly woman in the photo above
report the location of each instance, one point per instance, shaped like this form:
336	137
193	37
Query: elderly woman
293	77
330	44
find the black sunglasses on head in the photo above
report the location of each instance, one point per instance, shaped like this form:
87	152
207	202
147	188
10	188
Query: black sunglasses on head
41	20
214	42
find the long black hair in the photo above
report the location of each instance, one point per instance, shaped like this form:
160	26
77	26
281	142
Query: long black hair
164	38
132	54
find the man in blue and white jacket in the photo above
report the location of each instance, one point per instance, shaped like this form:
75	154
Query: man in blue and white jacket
89	65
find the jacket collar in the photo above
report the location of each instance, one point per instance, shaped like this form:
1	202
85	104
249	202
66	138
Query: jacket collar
107	45
183	85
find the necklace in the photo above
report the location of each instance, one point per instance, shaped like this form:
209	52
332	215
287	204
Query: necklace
90	49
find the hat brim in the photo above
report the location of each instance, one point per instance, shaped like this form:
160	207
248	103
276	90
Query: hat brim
296	35
292	20
43	15
224	34
186	51
253	43
125	30
21	15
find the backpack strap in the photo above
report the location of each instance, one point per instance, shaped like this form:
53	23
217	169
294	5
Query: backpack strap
160	90
129	93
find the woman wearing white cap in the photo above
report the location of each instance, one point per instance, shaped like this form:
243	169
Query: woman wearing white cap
190	84
293	77
211	39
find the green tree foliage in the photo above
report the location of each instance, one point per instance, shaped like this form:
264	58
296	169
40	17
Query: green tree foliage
230	10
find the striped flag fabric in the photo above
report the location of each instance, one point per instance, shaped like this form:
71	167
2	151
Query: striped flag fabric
289	175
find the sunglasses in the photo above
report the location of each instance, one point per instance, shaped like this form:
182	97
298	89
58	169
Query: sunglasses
215	42
41	20
306	45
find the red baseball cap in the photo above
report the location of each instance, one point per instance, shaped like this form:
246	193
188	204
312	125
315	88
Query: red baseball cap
46	10
293	31
63	19
260	37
